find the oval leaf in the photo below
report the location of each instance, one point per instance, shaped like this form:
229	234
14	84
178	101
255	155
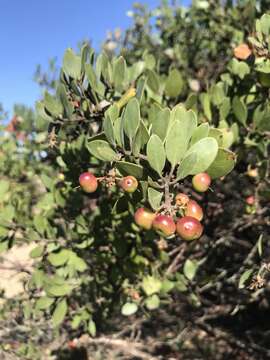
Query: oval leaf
127	168
156	154
129	309
154	198
59	313
223	163
178	139
102	150
72	64
206	152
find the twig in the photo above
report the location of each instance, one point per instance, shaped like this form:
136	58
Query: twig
135	349
173	266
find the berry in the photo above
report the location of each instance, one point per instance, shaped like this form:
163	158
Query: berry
164	225
189	228
250	200
201	182
252	173
129	184
88	182
242	52
181	199
144	218
194	210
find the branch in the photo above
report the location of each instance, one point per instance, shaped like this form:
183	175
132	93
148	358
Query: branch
131	348
174	265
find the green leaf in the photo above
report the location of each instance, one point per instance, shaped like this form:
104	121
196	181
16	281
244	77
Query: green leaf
76	262
141	138
7	213
239	110
186	166
216	134
91	76
205	101
239	68
174	84
131	118
59	313
119	72
152	302
228	138
67	106
160	123
40	223
265	24
190	268
60	258
178	139
92	328
199	133
151	285
72	64
156	154
47	181
4	187
166	286
102	150
152	81
59	290
76	321
129	309
244	277
44	303
37	252
108	129
154	198
179	112
112	112
223	163
118	132
206	151
218	93
127	168
260	245
38	278
225	108
53	105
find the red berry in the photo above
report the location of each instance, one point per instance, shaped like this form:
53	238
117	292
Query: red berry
250	200
88	182
144	218
164	225
189	228
129	184
194	210
201	182
181	199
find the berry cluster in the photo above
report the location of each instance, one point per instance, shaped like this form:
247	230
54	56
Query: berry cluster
188	226
89	182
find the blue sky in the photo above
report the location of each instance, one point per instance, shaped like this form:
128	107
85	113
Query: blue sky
32	31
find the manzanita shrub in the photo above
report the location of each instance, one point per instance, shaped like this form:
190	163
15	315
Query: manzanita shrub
141	138
125	156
